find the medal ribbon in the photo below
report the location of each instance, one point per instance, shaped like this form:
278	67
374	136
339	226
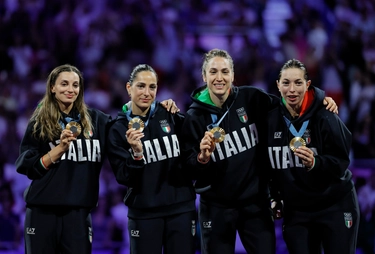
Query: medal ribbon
67	120
293	129
152	109
214	117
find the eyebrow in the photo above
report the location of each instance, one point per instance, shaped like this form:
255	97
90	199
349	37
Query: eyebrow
289	80
213	68
65	80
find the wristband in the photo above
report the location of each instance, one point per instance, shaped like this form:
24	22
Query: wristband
138	158
201	161
137	154
42	163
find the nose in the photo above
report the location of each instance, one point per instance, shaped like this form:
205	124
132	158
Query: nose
219	76
147	91
70	88
292	87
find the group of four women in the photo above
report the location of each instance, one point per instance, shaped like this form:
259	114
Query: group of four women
250	155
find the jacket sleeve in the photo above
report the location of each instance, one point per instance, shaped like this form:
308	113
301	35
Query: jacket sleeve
127	171
336	144
28	161
178	121
274	101
193	132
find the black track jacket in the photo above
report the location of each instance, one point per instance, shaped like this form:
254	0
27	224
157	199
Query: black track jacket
157	186
330	178
236	173
74	181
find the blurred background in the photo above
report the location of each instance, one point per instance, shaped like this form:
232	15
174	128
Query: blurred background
105	39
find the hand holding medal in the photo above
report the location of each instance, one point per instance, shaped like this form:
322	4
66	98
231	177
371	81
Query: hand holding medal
134	133
71	131
307	156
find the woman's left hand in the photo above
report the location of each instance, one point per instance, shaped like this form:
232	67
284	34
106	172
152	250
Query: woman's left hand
170	105
307	156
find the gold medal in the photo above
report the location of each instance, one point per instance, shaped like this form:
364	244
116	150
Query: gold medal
74	127
296	142
136	123
219	134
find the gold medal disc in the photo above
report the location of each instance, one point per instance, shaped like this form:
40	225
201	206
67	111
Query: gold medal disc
74	127
219	134
296	142
136	123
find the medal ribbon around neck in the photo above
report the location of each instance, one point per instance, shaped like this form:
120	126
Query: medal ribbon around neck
219	133
293	129
67	120
152	109
297	141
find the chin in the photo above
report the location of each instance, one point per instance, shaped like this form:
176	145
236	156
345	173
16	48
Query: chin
221	92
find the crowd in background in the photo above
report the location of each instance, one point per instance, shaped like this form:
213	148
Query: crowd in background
105	39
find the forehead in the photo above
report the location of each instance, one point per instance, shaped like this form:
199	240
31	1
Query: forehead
218	62
146	77
68	75
292	73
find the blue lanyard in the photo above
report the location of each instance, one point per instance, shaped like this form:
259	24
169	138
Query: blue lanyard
68	119
152	109
293	129
214	118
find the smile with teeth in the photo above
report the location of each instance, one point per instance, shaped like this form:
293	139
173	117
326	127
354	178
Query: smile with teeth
219	85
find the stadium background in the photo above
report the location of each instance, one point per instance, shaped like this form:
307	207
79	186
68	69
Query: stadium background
105	39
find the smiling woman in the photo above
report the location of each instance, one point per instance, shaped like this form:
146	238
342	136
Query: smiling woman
144	152
66	90
62	152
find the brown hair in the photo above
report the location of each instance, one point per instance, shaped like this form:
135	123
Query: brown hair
294	63
47	114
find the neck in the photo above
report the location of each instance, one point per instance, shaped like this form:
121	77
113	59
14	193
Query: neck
139	111
219	100
66	109
294	110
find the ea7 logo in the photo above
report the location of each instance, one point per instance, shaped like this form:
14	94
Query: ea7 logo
277	134
30	231
134	233
206	224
